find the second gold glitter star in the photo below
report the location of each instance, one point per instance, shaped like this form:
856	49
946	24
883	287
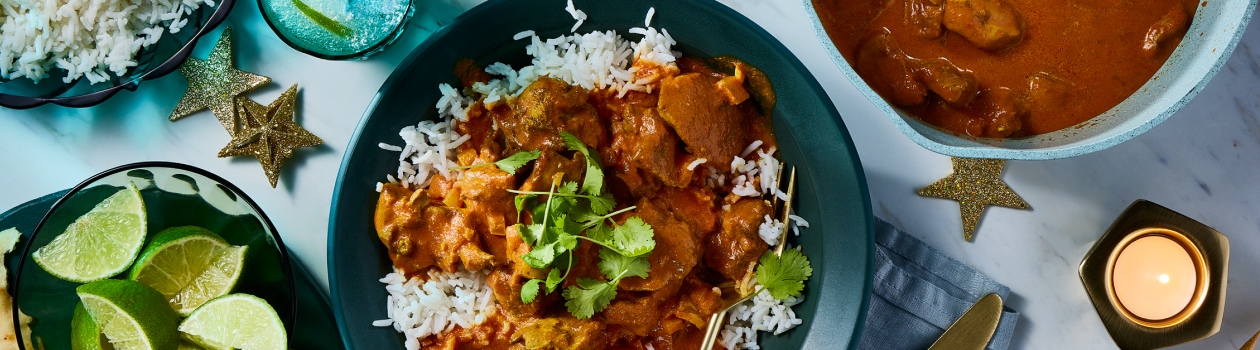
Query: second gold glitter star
269	133
975	184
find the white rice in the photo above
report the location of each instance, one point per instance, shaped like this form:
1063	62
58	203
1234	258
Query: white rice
429	148
695	163
419	308
86	38
747	178
763	313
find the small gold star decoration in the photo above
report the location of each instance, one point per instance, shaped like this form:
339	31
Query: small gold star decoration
214	83
269	133
975	184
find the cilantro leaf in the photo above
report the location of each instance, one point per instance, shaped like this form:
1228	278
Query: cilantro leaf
561	222
615	266
516	161
634	237
553	280
593	181
602	204
568	187
568	242
600	233
584	216
540	257
521	201
530	233
783	276
529	291
588	297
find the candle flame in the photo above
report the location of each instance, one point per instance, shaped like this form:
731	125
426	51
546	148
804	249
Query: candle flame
1163	278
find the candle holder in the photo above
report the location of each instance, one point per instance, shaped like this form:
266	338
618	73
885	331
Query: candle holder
1148	239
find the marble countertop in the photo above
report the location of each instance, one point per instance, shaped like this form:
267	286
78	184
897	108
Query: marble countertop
1203	162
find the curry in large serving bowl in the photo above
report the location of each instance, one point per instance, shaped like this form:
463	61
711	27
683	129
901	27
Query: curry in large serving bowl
1028	79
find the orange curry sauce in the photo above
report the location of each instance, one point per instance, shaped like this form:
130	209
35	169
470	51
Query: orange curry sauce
1005	68
704	236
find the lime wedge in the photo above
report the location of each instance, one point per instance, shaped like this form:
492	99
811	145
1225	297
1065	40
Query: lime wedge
189	265
84	333
235	321
183	345
99	244
131	315
323	21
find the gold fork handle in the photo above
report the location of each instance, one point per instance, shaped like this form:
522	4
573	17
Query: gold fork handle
714	329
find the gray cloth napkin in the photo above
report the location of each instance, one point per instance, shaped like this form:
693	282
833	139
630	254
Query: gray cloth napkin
918	292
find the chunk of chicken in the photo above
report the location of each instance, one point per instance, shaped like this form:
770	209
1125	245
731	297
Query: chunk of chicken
675	253
1047	92
737	245
564	332
925	17
704	119
1165	32
987	24
1006	114
889	71
418	236
953	85
545	108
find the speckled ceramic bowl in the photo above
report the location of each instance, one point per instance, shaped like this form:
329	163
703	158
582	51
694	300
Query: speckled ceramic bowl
1217	27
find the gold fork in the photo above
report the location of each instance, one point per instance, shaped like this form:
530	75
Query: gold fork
715	322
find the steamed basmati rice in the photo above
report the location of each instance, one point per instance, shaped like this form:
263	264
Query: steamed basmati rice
419	308
85	38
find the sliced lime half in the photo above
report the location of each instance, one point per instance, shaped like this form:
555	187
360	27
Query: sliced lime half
99	244
189	265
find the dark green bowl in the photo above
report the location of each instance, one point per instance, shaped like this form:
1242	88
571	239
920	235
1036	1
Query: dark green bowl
174	195
831	194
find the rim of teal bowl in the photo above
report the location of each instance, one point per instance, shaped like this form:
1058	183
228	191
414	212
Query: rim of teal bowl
722	9
376	48
287	265
980	150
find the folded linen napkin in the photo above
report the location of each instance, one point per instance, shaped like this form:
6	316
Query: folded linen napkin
917	293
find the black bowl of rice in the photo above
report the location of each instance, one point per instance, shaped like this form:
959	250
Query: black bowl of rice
79	53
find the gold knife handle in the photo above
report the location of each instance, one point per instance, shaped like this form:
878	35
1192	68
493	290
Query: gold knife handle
973	330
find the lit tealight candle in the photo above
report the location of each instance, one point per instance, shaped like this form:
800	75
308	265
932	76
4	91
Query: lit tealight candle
1154	277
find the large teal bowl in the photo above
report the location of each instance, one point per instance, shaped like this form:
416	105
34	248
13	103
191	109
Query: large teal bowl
832	191
1217	27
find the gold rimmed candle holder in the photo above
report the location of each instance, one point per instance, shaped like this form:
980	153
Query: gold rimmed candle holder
1208	251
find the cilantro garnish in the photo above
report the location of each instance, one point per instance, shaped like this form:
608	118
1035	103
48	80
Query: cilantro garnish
590	295
510	164
783	276
593	182
568	213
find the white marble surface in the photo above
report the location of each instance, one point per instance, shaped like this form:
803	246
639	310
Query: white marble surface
1203	162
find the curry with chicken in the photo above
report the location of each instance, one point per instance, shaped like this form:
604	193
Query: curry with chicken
1005	68
658	148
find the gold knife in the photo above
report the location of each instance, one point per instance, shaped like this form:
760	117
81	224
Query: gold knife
974	328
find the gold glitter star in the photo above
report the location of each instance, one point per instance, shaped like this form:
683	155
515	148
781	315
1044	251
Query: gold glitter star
214	83
269	133
975	184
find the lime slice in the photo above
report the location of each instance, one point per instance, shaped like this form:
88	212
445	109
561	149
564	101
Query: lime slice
189	265
99	244
235	321
183	345
84	333
131	315
323	21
